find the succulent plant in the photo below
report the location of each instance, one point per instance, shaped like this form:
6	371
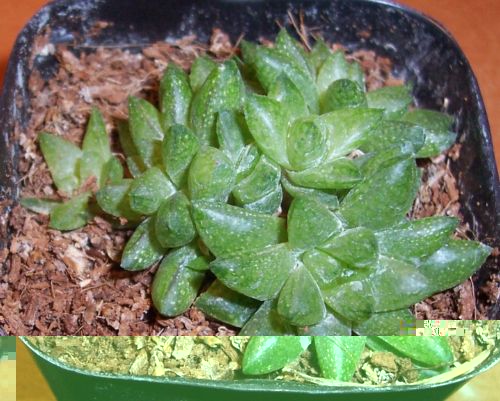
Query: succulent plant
288	181
339	357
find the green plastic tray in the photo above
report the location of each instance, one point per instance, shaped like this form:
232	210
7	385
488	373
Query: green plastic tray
70	384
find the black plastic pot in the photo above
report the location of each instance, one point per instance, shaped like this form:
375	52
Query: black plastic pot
422	52
69	384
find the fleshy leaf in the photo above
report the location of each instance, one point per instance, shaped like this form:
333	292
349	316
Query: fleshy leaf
336	67
356	248
267	123
300	301
264	179
438	136
390	191
393	99
112	172
352	300
329	200
265	354
175	286
247	161
269	203
149	190
227	229
114	200
341	173
294	51
134	161
416	238
270	63
286	92
306	143
424	350
142	249
63	158
453	264
310	223
39	205
173	224
266	321
231	132
222	90
71	214
211	175
96	148
385	323
348	129
407	137
226	305
342	93
200	70
324	269
175	97
178	149
258	274
331	325
145	130
339	356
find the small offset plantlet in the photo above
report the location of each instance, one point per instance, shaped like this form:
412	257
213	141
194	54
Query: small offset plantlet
339	357
281	175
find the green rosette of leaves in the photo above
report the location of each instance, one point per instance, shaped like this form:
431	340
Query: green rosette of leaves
287	180
339	356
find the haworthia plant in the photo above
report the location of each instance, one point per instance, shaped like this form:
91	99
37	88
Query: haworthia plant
282	176
339	357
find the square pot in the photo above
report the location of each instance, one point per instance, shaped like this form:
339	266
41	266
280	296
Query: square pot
421	50
70	384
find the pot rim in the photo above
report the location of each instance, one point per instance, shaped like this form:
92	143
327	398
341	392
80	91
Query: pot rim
253	385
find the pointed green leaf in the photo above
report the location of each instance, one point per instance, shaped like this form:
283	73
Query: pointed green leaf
142	249
452	264
319	53
149	190
269	204
211	175
267	123
258	274
231	133
134	161
39	205
348	129
331	325
329	200
226	305
338	357
393	99
267	354
266	322
114	200
227	229
173	224
223	90
112	172
352	300
145	130
392	323
71	214
178	149
175	97
427	351
175	286
286	92
341	173
336	67
62	158
264	179
294	51
356	248
438	136
247	161
300	301
383	198
306	143
200	70
341	94
324	269
409	138
310	223
416	238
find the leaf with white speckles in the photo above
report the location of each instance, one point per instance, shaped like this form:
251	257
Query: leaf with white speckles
267	321
175	97
174	226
